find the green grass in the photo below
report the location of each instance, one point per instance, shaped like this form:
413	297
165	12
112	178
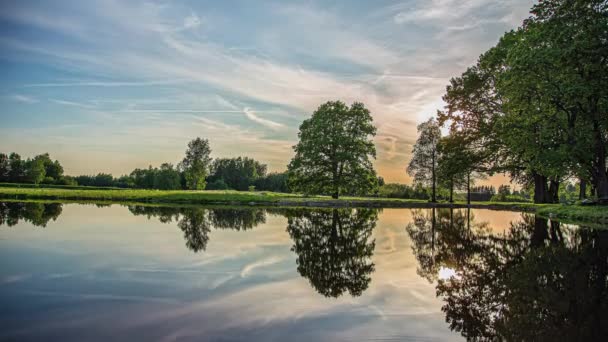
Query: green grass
572	213
56	186
576	213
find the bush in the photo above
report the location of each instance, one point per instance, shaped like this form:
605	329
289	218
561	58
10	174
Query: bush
395	190
508	198
217	184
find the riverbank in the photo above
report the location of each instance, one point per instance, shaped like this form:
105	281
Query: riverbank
573	213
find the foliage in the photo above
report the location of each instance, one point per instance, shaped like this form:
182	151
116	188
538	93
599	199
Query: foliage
508	198
238	173
196	163
276	182
217	184
534	105
334	151
395	190
425	156
40	169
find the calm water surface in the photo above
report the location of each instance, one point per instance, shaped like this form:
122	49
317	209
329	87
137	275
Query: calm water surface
82	272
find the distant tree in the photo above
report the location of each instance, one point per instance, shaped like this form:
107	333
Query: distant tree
34	170
238	173
167	178
217	184
276	182
196	163
54	170
381	181
425	156
17	168
4	168
334	153
66	180
124	181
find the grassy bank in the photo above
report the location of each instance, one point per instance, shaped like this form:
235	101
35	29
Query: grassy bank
573	213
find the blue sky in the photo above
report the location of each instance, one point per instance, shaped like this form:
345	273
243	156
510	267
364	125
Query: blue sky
108	86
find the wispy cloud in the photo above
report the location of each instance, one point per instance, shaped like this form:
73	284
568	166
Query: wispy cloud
270	68
22	98
72	103
251	115
103	84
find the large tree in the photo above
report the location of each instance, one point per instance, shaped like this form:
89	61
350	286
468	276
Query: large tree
196	163
423	165
335	150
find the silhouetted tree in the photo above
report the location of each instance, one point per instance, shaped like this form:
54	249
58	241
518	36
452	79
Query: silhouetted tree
423	165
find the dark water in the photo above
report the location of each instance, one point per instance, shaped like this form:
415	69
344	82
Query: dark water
83	272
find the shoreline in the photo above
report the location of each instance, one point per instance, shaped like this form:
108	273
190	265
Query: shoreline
572	213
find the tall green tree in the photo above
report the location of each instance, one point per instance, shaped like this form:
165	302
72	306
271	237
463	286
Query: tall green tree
425	156
196	163
335	150
561	67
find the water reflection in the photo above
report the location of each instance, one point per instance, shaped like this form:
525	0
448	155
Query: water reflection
536	280
38	214
334	248
196	222
539	280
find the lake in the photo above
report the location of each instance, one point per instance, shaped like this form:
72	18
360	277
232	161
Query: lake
76	272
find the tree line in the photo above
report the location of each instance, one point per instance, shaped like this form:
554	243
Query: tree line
197	171
534	107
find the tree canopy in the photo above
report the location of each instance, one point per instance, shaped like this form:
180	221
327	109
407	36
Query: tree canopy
335	150
196	163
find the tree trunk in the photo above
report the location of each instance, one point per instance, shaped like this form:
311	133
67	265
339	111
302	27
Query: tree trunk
601	173
541	193
469	188
433	197
554	191
583	190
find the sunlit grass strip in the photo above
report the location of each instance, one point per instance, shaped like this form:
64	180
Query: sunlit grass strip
569	212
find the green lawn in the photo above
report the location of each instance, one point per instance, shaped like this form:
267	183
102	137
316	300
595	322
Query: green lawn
573	213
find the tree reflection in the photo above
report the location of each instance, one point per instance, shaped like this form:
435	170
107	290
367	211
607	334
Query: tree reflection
334	248
196	222
36	213
540	280
442	238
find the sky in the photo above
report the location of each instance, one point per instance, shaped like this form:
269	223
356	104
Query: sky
109	86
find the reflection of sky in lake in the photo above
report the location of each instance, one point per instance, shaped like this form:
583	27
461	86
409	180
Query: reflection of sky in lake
102	273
